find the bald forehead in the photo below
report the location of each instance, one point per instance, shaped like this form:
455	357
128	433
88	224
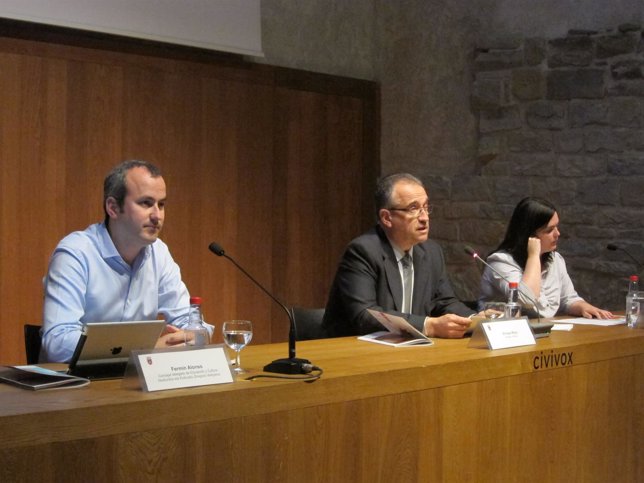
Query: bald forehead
139	174
139	180
406	192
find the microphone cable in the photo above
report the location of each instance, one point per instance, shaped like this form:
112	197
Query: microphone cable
313	374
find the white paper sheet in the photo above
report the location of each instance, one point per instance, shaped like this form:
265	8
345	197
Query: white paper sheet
584	321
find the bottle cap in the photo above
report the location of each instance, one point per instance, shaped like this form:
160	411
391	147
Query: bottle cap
634	278
195	300
514	285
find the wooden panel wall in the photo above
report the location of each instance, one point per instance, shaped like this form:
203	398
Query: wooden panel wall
276	165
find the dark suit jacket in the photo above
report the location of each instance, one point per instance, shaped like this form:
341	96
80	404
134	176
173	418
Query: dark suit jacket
368	277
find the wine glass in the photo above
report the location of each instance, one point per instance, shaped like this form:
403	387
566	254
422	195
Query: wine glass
237	333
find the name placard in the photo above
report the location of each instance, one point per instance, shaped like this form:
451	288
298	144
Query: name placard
502	334
179	368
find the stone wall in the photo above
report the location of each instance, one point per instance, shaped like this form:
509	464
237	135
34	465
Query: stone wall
526	130
562	119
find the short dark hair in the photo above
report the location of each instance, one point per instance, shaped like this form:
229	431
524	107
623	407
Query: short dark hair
385	187
529	215
114	185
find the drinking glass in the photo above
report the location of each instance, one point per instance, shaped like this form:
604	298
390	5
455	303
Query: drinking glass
635	310
237	334
494	310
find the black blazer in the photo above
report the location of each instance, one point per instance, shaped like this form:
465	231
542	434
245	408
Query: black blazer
368	277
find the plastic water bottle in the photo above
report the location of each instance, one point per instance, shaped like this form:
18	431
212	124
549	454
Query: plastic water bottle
632	311
513	308
196	332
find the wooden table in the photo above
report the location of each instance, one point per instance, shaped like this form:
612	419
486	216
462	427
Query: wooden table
569	408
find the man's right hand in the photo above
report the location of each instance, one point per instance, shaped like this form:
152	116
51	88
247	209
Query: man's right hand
449	326
170	336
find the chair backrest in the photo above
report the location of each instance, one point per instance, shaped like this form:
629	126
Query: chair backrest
32	342
308	323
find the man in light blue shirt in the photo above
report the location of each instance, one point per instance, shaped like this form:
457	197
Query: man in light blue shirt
118	270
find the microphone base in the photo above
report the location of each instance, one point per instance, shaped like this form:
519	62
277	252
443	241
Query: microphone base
291	365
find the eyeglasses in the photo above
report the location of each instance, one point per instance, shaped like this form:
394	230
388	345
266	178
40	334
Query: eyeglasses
415	211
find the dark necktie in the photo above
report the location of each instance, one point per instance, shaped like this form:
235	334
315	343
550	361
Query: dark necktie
407	282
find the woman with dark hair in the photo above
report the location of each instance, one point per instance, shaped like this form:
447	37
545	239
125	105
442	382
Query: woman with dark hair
528	255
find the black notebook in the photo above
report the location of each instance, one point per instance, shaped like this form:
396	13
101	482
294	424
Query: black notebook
36	378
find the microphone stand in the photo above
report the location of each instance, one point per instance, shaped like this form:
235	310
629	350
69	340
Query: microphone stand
614	247
291	364
470	251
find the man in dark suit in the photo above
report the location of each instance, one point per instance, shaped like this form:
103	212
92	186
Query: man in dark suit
374	272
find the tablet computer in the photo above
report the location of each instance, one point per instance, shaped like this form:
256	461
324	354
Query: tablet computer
104	348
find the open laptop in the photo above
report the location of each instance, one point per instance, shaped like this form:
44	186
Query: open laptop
104	348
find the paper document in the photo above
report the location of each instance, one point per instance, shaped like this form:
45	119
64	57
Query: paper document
399	333
395	340
585	321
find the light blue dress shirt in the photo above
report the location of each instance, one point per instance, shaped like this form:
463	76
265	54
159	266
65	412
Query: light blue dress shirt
88	281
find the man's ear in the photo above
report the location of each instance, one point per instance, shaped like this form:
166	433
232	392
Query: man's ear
112	207
385	217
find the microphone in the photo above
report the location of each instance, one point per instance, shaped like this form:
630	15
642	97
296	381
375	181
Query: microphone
613	247
470	251
290	365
